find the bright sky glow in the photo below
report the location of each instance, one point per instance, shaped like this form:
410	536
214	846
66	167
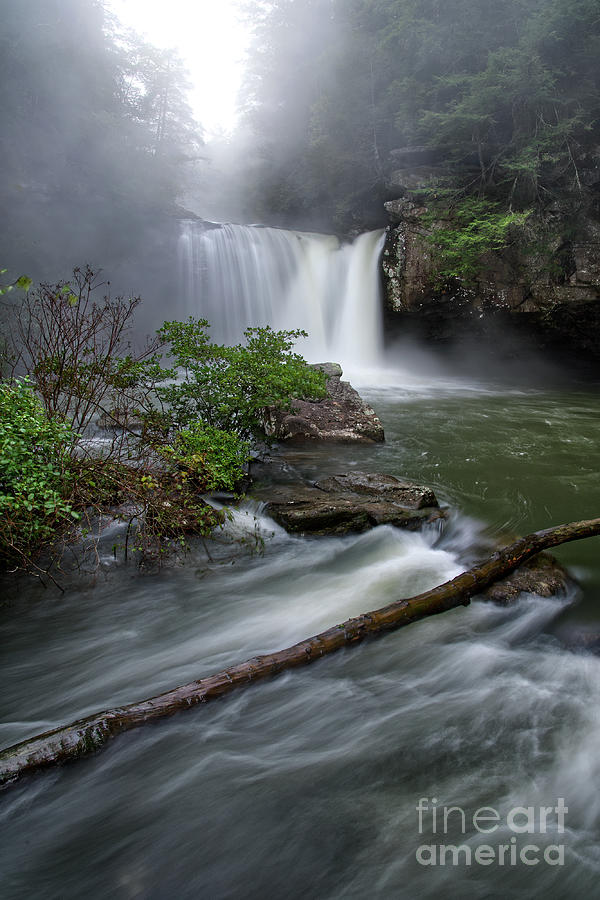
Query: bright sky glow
210	37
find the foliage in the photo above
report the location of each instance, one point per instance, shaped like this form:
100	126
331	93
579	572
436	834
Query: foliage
213	458
178	431
151	86
311	102
161	505
474	227
229	387
503	94
35	472
77	349
22	283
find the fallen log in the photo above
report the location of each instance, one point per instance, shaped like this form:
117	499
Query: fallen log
89	734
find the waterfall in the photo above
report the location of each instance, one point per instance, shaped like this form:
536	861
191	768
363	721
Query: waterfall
238	276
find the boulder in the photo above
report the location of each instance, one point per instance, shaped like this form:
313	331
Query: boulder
340	416
346	503
580	640
542	575
353	502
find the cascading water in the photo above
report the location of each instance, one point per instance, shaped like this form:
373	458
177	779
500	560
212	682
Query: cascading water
238	276
311	785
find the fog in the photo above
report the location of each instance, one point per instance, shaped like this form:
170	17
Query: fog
342	106
99	144
101	156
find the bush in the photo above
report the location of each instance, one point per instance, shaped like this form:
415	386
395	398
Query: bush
214	458
177	431
34	472
77	348
474	227
229	387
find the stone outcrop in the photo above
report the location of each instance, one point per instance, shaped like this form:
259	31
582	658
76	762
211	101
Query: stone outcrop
346	503
546	282
340	416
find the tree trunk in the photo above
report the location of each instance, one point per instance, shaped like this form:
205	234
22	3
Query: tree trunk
86	735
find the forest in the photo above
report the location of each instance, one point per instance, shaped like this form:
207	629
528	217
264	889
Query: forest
502	96
97	134
335	364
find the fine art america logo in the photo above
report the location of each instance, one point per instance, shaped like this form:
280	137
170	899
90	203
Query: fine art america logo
509	847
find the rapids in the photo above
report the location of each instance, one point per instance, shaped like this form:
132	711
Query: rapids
308	786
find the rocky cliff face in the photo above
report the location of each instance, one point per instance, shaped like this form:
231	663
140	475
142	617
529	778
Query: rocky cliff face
546	282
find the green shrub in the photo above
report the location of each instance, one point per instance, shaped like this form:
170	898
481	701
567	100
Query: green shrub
177	430
214	458
34	472
473	227
229	387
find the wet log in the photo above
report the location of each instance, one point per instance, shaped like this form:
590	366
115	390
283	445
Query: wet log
87	735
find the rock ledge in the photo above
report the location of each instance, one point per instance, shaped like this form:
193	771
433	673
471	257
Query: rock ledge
353	502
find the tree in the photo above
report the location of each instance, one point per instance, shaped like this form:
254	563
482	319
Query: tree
97	135
502	92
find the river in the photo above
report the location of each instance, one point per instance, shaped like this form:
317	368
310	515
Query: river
309	786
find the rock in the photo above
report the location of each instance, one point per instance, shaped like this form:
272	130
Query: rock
402	209
330	369
181	213
388	487
353	502
544	283
580	640
348	503
340	416
543	575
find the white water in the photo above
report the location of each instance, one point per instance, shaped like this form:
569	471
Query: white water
307	786
239	276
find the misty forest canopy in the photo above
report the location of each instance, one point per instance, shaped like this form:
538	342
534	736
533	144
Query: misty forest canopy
499	99
96	133
503	94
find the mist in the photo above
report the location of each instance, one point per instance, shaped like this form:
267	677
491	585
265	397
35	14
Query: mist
343	107
410	190
97	146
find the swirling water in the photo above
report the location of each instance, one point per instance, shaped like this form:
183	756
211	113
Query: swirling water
308	786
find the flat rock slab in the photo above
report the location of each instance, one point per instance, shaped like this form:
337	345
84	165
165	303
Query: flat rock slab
348	503
383	487
341	416
357	501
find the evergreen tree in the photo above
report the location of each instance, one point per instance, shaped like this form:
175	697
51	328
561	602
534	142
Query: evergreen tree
96	135
504	93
